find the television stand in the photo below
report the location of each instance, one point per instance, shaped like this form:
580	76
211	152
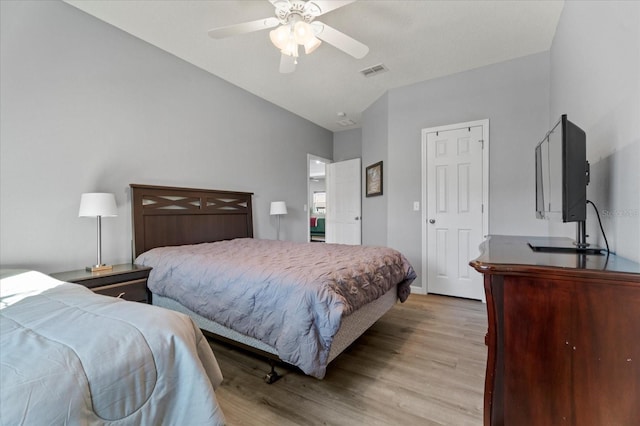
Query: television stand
560	245
562	338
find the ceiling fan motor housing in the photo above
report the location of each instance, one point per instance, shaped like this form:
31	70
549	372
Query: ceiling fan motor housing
287	11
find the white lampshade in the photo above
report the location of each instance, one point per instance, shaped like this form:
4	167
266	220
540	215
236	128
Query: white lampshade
288	37
291	49
280	36
302	32
278	207
311	45
95	204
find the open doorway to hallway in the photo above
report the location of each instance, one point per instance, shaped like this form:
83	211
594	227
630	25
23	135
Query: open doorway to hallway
317	197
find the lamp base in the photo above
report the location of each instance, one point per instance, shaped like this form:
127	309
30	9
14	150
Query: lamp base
99	268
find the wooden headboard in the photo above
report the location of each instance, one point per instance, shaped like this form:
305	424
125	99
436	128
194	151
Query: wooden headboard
169	216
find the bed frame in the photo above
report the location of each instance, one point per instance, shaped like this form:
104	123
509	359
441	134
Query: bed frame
170	216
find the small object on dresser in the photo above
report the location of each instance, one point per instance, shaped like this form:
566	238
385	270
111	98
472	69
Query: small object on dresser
126	281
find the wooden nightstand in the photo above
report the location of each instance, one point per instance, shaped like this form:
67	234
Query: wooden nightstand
127	281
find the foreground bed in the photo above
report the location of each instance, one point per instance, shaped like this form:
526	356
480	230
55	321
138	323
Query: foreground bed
70	356
301	303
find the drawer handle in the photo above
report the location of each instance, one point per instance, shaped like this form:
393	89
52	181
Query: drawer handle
120	295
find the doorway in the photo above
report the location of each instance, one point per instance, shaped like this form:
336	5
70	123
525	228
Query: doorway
455	217
317	194
334	200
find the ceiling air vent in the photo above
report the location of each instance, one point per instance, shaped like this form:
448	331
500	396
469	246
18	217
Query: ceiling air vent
376	69
346	122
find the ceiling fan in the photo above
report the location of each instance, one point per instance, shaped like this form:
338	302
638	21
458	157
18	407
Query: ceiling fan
297	27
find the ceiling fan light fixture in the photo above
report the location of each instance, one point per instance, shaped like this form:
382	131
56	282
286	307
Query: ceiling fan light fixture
312	45
291	49
302	32
280	37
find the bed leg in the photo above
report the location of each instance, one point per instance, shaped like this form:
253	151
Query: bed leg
272	375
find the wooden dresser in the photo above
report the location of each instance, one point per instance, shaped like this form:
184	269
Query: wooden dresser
563	337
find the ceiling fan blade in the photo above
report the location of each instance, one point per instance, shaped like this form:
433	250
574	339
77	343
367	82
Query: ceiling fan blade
287	64
245	27
320	7
280	4
340	40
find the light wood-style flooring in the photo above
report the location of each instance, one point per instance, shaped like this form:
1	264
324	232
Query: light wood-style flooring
423	363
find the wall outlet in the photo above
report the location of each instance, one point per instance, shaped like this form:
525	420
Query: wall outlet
416	206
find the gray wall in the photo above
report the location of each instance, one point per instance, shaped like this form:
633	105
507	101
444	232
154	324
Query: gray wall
347	144
513	95
375	137
595	80
86	107
590	73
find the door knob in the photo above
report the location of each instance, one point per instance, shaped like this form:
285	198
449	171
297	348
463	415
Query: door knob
357	218
432	221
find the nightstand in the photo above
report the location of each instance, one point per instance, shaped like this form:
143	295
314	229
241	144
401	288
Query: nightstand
127	281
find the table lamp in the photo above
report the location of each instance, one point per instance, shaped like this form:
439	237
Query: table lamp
98	204
278	208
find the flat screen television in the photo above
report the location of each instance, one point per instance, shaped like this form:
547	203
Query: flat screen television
562	176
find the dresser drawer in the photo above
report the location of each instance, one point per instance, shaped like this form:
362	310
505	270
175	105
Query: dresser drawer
135	290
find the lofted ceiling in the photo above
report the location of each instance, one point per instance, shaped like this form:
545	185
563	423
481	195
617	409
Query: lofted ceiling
414	40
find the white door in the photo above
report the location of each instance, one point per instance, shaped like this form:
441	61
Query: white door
343	203
456	210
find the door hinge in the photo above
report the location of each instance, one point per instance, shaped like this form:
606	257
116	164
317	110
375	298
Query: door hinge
481	208
481	142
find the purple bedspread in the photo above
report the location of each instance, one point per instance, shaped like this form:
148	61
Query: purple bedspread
291	296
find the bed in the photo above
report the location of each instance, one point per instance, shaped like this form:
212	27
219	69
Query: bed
70	356
299	303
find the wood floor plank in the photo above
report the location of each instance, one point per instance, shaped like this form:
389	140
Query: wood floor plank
423	363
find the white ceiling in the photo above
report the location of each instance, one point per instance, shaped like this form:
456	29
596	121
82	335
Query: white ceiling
416	40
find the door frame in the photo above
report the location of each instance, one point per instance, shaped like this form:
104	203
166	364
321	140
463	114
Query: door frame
424	289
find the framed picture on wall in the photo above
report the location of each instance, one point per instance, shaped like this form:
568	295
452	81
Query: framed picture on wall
374	179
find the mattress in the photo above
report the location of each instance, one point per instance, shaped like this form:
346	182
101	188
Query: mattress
290	296
70	356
